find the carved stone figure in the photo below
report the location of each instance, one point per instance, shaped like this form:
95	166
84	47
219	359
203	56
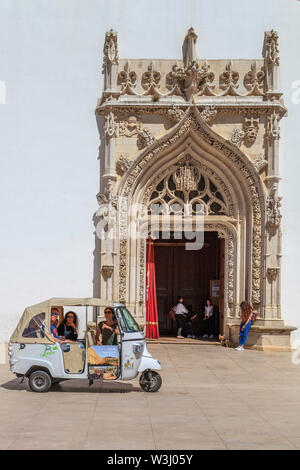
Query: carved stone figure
186	178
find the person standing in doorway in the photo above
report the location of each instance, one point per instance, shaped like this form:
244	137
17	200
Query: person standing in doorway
246	312
208	319
180	315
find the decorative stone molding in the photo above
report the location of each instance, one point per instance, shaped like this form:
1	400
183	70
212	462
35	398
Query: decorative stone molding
190	80
129	127
237	137
208	173
150	81
254	81
175	114
229	80
208	114
127	79
273	128
111	48
272	49
109	124
250	127
145	138
260	163
273	204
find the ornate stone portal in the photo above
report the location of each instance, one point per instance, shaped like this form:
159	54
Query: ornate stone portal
204	133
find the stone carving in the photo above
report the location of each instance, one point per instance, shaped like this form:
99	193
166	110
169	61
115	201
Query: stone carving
229	79
107	270
273	273
109	125
127	79
145	138
250	127
123	164
254	80
271	45
273	204
190	47
186	178
259	163
150	81
175	114
190	80
130	127
237	137
273	128
206	85
208	114
111	48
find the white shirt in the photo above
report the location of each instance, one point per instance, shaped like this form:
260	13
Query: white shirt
180	309
208	313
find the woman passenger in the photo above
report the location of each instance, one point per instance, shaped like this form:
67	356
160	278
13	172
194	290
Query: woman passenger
68	329
108	329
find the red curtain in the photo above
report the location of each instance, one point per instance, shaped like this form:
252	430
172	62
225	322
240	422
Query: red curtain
151	305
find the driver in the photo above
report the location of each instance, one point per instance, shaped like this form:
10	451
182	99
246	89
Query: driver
108	328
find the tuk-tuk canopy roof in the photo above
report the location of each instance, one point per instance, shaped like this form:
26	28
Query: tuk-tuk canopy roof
45	307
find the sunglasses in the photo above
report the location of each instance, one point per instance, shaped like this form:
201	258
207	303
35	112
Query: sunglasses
107	311
70	316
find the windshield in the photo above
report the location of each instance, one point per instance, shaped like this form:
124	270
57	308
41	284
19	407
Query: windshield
127	321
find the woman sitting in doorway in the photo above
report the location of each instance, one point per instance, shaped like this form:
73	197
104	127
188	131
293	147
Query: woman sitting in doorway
68	329
108	329
208	319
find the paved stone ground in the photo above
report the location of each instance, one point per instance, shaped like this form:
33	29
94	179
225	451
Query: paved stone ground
211	398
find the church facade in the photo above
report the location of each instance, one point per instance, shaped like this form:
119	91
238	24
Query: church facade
193	138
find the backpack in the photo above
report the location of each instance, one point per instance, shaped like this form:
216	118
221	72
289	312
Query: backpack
253	318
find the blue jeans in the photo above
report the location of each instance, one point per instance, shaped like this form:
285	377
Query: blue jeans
244	333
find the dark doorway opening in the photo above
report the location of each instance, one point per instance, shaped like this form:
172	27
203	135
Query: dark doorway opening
188	273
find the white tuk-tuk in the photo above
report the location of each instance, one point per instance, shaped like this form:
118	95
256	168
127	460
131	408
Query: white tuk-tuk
35	353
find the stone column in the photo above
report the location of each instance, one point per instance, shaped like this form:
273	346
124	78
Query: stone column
273	220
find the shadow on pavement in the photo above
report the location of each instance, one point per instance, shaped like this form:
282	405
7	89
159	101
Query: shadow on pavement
72	387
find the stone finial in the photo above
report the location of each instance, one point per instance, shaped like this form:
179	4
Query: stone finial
190	47
111	47
271	47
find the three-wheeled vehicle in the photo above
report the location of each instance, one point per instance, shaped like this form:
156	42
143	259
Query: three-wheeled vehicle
35	353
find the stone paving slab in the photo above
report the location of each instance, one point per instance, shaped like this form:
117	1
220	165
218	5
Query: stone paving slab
211	398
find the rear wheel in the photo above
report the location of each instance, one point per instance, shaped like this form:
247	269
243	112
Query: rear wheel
150	381
40	381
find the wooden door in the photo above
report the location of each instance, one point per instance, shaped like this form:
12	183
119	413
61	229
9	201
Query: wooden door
184	272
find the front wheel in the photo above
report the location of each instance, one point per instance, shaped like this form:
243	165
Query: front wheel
150	381
40	381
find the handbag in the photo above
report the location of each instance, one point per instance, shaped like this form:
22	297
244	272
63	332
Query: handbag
172	313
